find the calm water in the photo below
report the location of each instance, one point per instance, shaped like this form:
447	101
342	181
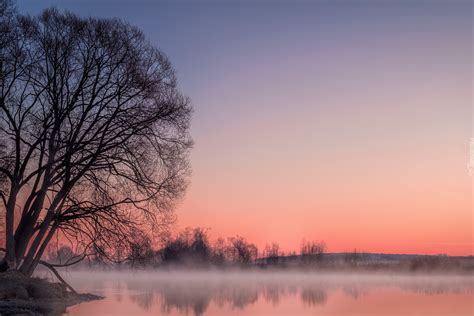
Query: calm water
234	293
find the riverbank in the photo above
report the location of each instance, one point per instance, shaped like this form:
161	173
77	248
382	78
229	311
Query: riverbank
32	296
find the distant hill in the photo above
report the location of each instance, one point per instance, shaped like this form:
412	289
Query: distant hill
372	261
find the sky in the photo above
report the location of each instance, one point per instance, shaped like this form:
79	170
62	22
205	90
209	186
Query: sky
342	121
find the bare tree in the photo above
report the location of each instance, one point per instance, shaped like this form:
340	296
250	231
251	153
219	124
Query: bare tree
219	252
312	250
141	251
60	255
272	252
93	134
190	247
241	251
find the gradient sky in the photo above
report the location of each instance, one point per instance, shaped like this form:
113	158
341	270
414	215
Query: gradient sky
343	121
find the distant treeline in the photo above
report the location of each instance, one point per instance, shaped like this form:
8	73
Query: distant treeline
193	248
190	247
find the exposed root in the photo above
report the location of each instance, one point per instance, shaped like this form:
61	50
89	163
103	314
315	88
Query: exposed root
56	273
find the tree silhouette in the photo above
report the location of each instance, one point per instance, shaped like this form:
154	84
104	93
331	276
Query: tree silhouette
241	251
93	134
272	252
312	251
191	247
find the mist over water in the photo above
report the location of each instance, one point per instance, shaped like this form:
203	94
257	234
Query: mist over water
272	293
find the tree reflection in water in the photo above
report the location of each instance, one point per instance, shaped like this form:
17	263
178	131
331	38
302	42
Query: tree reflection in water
195	293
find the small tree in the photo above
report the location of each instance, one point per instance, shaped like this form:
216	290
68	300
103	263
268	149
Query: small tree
271	253
191	246
141	252
241	251
200	248
220	252
312	251
61	255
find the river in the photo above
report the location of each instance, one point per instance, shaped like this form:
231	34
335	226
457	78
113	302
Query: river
272	293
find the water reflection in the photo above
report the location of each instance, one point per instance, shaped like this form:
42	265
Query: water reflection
144	300
313	297
194	294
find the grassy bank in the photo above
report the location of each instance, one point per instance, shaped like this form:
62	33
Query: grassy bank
32	296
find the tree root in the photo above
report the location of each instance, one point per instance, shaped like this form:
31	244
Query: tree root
56	273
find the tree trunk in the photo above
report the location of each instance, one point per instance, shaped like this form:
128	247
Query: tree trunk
38	241
28	260
10	256
31	268
3	265
24	233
